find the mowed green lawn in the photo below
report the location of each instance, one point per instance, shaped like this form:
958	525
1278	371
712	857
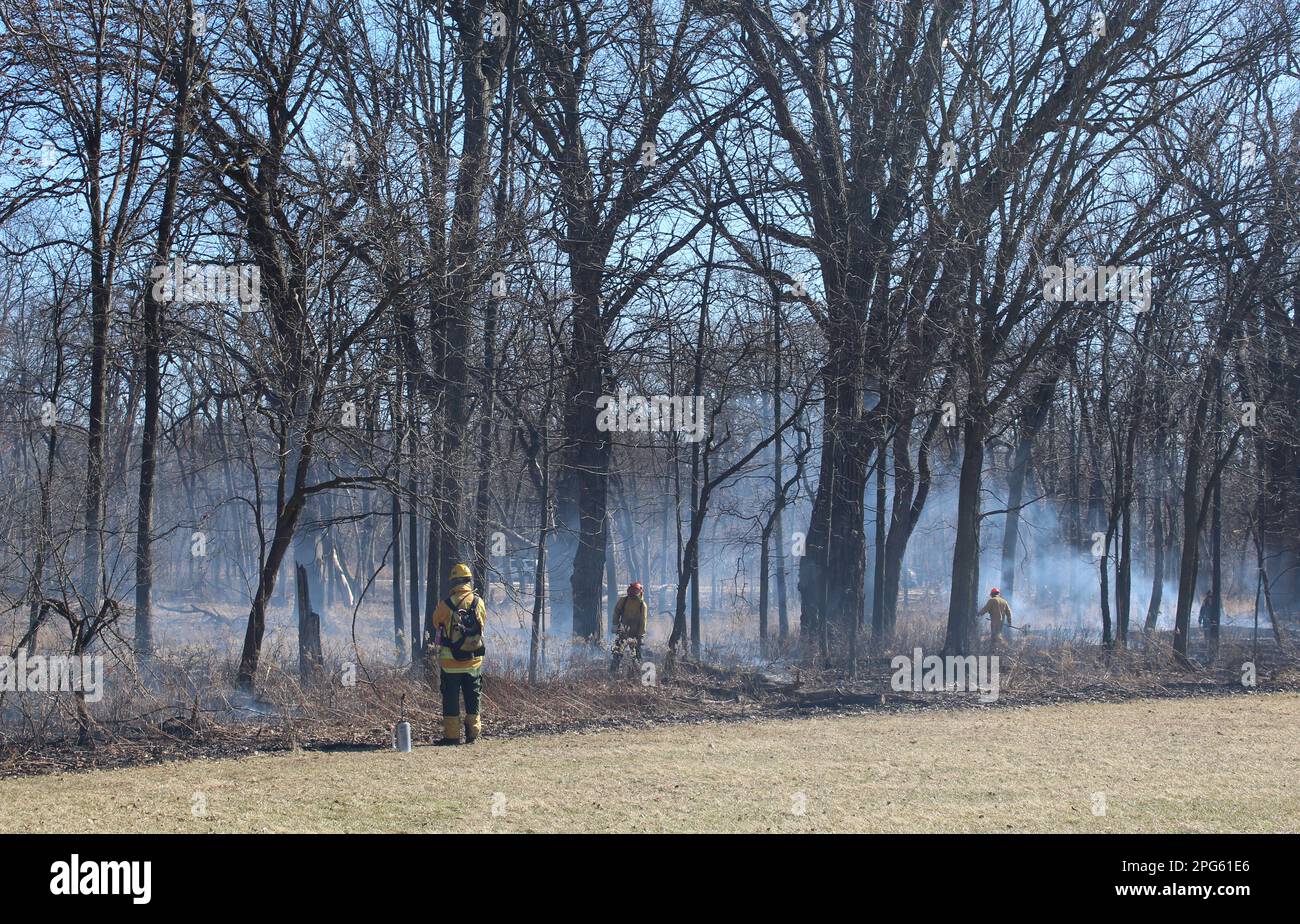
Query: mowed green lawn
1220	764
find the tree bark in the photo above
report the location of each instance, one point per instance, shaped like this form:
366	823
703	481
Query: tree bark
144	643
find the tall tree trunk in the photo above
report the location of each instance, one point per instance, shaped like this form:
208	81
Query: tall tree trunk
878	629
963	598
832	571
1193	454
764	563
910	494
1032	420
611	576
100	305
778	480
1262	565
487	413
1157	552
1216	535
782	595
587	476
1158	518
285	524
395	515
45	525
144	644
539	574
480	75
701	340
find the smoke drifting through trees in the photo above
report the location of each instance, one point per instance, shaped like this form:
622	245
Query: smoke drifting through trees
959	294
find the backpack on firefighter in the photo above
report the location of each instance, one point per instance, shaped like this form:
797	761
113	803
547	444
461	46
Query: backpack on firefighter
465	633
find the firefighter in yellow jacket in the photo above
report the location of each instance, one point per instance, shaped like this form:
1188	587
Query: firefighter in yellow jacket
629	624
997	609
458	624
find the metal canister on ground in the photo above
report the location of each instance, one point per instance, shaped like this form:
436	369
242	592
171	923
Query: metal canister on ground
402	737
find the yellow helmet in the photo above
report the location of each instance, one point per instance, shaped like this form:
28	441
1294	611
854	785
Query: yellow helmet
460	573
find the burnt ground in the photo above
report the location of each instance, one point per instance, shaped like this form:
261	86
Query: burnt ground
203	717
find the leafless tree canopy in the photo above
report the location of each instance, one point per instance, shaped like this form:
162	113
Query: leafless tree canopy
799	314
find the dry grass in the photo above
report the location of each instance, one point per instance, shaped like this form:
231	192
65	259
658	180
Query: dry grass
188	705
1222	764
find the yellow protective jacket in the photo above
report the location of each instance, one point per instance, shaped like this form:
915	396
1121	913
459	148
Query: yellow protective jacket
630	616
442	618
998	608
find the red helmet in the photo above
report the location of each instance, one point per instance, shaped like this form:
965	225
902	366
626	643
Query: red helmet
634	589
993	592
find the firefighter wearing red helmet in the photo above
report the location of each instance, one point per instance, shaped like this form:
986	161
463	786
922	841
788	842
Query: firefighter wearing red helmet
630	615
997	609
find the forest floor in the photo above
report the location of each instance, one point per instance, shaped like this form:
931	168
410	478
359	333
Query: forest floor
191	709
1194	764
